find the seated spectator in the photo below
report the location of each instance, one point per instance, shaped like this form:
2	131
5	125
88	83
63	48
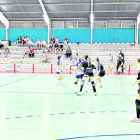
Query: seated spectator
56	48
74	51
23	40
6	51
1	44
26	52
57	41
51	48
65	41
43	44
26	39
68	52
61	47
30	43
31	53
52	40
38	44
43	56
48	56
19	40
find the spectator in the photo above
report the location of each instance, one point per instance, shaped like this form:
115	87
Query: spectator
48	56
23	40
56	48
31	53
57	41
51	48
43	56
26	39
1	44
43	44
19	40
74	51
38	44
68	52
52	40
30	43
26	52
61	47
65	41
6	51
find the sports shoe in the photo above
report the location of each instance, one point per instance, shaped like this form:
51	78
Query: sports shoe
95	93
79	93
76	92
101	86
61	84
88	81
135	120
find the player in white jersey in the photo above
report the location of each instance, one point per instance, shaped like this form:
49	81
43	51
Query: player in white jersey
59	69
79	74
73	61
111	66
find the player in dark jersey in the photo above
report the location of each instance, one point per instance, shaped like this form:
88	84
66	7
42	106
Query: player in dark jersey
122	59
137	102
100	73
87	67
119	66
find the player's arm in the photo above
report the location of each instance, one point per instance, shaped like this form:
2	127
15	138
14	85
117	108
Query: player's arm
138	81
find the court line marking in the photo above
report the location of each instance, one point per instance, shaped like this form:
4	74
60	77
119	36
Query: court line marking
41	111
114	135
17	81
126	94
66	113
7	76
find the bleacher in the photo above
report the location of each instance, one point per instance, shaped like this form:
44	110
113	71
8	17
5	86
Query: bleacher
103	51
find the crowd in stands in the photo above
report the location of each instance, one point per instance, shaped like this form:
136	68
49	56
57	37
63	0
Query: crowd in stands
54	46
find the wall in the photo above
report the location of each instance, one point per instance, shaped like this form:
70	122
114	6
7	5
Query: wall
34	34
2	34
139	36
123	35
73	35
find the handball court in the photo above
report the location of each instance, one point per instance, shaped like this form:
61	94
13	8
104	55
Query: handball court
33	107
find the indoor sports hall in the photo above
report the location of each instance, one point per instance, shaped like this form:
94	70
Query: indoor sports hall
69	70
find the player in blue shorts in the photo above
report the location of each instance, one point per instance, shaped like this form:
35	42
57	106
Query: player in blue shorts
88	72
59	70
79	75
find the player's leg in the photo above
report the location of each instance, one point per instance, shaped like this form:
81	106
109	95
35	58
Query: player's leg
82	83
76	85
93	85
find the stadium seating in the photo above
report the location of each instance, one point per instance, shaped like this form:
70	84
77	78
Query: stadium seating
103	51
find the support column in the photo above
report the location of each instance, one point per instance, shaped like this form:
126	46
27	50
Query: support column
136	32
91	21
6	33
137	21
49	32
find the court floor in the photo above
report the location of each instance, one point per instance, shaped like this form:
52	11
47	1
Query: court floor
32	107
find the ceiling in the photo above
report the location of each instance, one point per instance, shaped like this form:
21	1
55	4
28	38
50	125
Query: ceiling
65	10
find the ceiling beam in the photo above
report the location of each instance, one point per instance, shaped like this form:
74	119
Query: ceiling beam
82	3
46	17
125	11
14	19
